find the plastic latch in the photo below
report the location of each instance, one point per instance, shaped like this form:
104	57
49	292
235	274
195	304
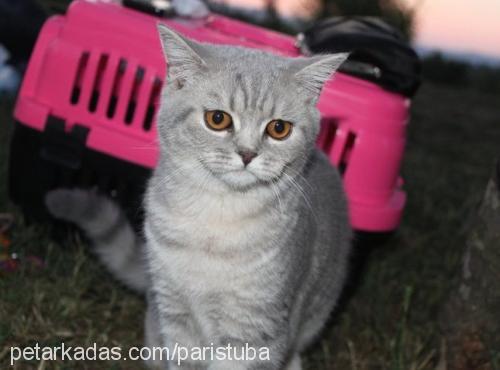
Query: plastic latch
61	147
160	8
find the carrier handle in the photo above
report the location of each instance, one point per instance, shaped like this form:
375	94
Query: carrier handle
61	147
159	8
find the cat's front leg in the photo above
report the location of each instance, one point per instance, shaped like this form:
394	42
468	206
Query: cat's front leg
152	337
178	331
180	338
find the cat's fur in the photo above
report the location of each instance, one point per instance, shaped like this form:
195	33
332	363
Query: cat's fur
234	254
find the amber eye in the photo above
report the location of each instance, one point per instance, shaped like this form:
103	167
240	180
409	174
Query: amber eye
279	129
218	120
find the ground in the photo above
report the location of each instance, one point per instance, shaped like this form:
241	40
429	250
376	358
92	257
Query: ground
388	319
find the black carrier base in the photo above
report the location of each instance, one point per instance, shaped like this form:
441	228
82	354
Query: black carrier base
43	161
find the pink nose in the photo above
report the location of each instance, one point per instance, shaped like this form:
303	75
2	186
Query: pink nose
247	156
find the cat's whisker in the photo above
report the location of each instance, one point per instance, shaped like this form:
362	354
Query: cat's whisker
276	192
168	178
302	193
153	144
145	147
298	174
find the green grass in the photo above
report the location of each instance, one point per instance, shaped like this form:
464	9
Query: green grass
388	322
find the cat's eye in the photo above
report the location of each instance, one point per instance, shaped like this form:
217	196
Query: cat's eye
218	120
279	129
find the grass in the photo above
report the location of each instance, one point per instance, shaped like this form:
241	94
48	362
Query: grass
389	320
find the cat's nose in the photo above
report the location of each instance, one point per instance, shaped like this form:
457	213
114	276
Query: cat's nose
247	156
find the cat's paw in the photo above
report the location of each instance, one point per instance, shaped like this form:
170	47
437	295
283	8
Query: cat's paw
68	204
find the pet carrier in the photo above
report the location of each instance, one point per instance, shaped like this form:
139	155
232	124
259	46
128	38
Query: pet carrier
85	115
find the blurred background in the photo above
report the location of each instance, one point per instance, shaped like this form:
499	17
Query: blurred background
396	313
457	40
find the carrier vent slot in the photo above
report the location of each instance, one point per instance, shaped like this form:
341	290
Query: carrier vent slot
346	152
113	100
132	103
152	104
80	72
327	134
96	89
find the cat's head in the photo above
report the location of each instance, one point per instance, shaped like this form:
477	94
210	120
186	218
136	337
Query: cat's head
244	116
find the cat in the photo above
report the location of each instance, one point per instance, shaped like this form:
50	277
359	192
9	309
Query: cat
247	236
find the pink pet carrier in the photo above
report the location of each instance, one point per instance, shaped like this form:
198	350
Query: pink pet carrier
86	111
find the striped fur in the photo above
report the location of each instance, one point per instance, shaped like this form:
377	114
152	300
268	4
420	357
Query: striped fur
107	227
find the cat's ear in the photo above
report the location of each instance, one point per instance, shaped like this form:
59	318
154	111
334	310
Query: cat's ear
184	56
313	72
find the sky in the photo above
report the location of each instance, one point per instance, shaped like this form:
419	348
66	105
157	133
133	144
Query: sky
459	25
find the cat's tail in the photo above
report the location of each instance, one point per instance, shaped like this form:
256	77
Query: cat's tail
104	222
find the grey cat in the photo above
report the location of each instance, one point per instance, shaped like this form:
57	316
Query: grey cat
247	232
